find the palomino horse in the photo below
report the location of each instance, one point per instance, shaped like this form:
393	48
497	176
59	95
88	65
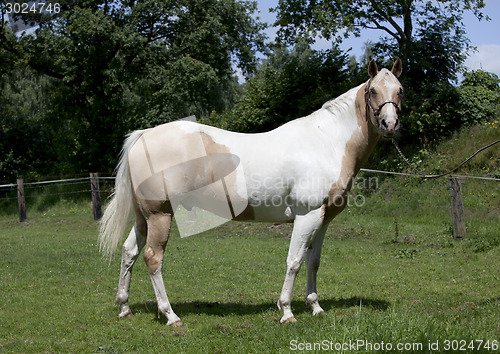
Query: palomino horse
308	164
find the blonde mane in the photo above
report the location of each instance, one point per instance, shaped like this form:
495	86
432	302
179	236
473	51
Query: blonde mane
342	103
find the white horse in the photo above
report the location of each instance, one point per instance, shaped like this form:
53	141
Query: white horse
300	172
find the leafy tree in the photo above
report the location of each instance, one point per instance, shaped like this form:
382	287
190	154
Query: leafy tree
289	84
124	65
335	19
24	134
479	96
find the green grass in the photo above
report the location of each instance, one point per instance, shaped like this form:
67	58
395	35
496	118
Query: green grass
390	272
377	282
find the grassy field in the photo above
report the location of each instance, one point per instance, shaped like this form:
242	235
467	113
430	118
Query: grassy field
390	275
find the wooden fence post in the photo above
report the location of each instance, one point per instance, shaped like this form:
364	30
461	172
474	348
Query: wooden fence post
96	196
457	209
20	200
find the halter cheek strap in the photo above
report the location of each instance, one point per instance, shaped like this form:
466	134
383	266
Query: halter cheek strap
376	112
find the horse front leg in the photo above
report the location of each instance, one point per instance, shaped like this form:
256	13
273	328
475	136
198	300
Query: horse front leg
130	251
304	229
313	256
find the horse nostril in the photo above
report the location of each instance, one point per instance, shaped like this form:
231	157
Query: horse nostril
384	123
397	124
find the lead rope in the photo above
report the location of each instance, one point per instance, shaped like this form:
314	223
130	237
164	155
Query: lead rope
422	175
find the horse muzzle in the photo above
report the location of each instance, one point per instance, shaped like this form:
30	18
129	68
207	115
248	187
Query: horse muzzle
389	126
389	119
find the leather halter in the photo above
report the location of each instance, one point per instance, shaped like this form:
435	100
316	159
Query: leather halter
376	112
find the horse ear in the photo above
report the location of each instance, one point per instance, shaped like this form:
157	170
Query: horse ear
372	68
397	68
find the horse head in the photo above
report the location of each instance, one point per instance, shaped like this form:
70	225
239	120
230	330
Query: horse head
383	95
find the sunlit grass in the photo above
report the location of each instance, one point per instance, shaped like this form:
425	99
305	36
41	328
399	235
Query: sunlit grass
377	282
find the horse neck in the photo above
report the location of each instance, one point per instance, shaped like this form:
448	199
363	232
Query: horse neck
351	130
348	123
370	133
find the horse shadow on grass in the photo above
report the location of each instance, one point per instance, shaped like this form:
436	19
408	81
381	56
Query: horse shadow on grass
239	308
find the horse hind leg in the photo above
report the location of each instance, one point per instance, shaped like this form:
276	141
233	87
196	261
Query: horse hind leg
158	232
130	252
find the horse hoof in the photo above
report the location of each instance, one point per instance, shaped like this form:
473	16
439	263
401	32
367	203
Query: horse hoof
320	312
126	315
289	320
176	324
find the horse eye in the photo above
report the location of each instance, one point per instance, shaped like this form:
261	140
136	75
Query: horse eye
400	92
372	91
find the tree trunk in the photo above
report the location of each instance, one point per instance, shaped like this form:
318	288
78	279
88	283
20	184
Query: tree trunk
405	43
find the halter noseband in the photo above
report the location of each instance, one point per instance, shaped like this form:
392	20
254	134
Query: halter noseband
376	112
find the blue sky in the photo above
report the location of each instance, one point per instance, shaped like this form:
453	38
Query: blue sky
485	35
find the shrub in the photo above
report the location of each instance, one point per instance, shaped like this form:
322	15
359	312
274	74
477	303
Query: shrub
479	96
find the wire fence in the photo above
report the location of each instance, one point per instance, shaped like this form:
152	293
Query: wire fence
46	188
95	187
42	194
442	198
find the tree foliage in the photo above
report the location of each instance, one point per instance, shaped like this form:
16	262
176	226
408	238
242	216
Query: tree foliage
479	96
398	19
118	66
289	84
24	132
98	69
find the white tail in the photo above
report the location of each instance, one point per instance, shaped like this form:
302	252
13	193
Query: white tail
117	214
